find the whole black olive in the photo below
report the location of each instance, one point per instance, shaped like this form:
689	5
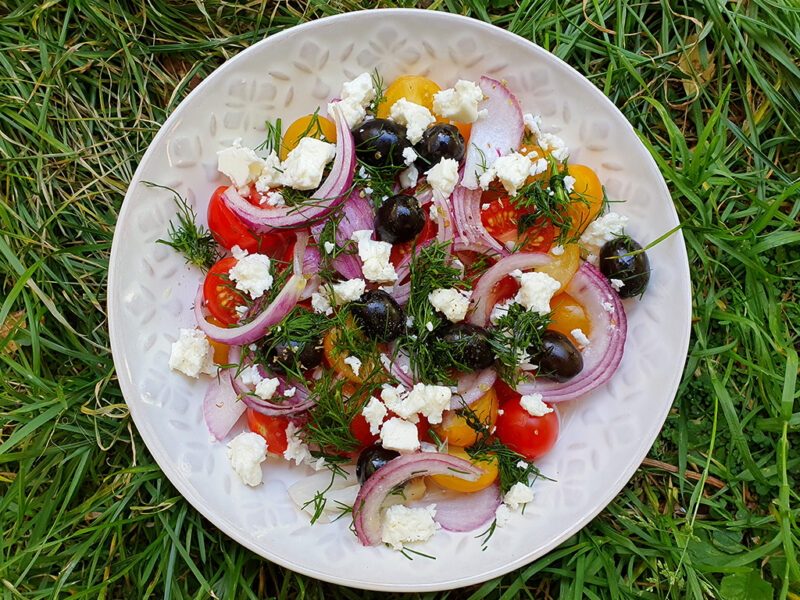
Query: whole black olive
558	358
469	345
399	219
441	141
380	142
379	315
281	357
633	270
371	459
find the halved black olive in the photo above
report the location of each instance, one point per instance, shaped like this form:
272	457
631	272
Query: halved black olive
282	356
371	459
380	142
632	270
558	358
441	141
469	345
379	315
399	219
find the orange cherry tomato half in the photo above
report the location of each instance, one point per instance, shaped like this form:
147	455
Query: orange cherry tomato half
220	296
454	426
587	197
568	315
531	436
272	429
451	482
414	88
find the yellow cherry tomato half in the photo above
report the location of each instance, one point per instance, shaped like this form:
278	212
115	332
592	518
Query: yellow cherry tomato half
536	153
569	315
563	266
454	426
309	126
414	88
587	196
220	349
488	464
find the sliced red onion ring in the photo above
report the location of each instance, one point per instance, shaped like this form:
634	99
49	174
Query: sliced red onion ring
521	260
471	387
468	225
444	217
367	508
461	511
494	137
221	407
329	195
606	342
357	217
399	365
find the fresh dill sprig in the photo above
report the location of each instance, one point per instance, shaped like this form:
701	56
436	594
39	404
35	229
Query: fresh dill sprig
299	328
487	534
380	91
512	467
406	552
376	182
194	241
320	502
512	337
313	129
327	237
272	143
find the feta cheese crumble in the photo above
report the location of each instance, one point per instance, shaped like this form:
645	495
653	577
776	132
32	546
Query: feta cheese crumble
354	363
246	452
580	337
557	250
443	176
355	96
401	525
329	247
347	291
409	156
192	354
241	164
409	177
512	170
303	168
415	117
452	302
374	256
602	230
518	495
502	515
535	290
534	405
427	400
374	413
617	284
266	388
296	449
459	103
251	273
399	434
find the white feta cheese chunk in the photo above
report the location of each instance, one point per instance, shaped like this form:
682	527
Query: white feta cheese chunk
192	354
428	400
250	376
360	90
538	167
569	183
534	405
459	103
266	388
502	515
415	117
602	230
303	168
617	284
246	452
242	165
351	110
409	177
518	495
452	302
374	257
443	176
354	363
296	449
273	199
533	123
608	307
399	434
401	525
270	175
347	291
500	310
553	144
409	156
557	250
329	247
289	392
512	170
321	303
374	413
251	274
580	337
535	291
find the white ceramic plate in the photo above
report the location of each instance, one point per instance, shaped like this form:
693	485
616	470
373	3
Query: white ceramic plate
605	435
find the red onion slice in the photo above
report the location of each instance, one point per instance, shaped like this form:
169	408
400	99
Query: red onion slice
471	387
606	342
521	260
357	217
367	508
494	136
468	225
398	364
461	511
329	195
444	217
221	407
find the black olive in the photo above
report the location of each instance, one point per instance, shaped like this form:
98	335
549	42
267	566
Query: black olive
399	219
380	142
371	459
633	270
441	141
379	315
469	345
558	358
283	356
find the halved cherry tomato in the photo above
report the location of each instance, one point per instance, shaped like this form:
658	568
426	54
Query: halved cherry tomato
220	349
563	266
531	436
335	360
587	196
323	129
220	296
504	391
272	429
414	88
361	429
568	315
226	227
537	238
501	219
400	251
455	428
451	482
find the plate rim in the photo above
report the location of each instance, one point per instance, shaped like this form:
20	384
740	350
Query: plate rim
196	500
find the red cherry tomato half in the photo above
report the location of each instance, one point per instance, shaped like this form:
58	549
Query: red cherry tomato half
272	429
531	436
361	431
400	251
501	219
220	296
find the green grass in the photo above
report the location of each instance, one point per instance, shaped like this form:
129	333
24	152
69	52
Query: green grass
85	512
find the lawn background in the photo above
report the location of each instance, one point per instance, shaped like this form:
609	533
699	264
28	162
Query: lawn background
712	86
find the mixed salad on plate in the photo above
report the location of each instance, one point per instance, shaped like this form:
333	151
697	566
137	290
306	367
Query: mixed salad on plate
397	296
